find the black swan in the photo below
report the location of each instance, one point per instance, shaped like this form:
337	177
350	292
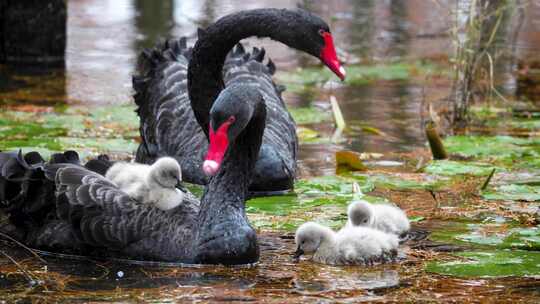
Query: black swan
91	215
168	116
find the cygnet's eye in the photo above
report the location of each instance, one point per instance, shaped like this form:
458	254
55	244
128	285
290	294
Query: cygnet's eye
365	221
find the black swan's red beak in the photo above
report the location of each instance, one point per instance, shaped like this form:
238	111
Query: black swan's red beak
329	57
219	142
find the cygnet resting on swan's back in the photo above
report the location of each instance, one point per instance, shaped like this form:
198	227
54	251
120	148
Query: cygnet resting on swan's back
350	246
150	184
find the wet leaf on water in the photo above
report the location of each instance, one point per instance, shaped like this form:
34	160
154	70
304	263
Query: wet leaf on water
489	235
523	238
373	130
513	192
449	168
511	152
306	134
335	185
87	130
416	219
310	115
497	263
349	161
400	183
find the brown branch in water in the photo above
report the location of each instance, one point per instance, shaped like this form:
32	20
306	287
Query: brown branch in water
27	274
486	183
434	196
23	246
435	142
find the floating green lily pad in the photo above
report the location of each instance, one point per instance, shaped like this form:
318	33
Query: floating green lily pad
398	183
335	185
513	192
507	151
523	238
87	130
488	235
310	115
490	264
449	168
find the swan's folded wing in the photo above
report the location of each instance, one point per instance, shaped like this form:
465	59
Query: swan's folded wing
104	216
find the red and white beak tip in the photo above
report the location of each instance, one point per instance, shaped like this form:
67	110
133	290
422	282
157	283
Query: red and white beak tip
210	167
342	72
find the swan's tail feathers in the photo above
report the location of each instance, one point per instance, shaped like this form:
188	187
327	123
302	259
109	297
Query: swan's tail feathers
67	157
271	67
25	190
152	61
100	164
33	158
239	50
258	54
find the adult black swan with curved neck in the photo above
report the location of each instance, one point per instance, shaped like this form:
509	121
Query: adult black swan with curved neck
89	214
169	116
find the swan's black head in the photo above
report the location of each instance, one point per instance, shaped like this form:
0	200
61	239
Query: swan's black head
229	116
309	33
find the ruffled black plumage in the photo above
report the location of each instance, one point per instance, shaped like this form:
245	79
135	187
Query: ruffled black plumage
62	206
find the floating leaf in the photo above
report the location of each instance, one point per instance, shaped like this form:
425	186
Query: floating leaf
335	185
306	134
513	192
400	183
448	167
490	264
310	115
350	160
507	151
416	219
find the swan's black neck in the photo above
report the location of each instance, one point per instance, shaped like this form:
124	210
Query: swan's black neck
225	235
205	79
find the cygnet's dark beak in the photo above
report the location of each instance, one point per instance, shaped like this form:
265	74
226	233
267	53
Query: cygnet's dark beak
298	253
181	187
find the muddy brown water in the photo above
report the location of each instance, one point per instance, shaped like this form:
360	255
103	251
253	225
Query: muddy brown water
104	38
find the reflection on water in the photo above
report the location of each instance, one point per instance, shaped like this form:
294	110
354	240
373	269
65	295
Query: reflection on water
344	279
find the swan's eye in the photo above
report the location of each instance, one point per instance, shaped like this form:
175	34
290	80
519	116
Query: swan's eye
231	119
321	32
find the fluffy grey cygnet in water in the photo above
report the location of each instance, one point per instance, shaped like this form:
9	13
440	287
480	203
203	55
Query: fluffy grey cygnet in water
349	246
150	184
383	217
